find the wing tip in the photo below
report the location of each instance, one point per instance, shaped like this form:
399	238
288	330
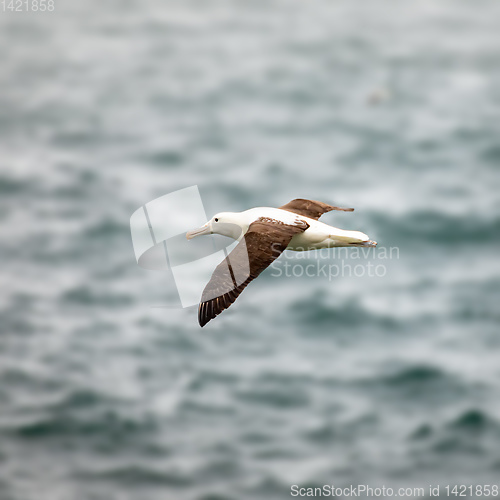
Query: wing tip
211	308
203	317
207	312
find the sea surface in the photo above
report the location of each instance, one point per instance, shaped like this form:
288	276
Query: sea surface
383	370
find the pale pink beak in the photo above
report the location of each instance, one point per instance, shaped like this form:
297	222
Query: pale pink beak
205	229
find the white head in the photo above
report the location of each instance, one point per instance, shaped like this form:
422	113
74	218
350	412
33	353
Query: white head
229	224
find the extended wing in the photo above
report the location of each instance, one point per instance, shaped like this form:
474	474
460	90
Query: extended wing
264	242
311	208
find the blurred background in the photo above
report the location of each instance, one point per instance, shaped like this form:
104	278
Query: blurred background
387	106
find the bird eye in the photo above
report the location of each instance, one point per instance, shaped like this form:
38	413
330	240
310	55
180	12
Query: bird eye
216	220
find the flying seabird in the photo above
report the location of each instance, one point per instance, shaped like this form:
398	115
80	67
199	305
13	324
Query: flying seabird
263	234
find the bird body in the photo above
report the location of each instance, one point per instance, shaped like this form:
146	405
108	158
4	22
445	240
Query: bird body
318	235
263	234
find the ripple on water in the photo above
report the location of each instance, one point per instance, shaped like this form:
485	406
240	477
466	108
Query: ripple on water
473	433
167	158
9	186
136	475
272	396
85	295
433	227
342	318
105	425
418	384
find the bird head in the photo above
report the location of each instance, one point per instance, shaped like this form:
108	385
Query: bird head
225	223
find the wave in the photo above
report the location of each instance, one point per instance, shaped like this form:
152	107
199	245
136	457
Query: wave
96	419
471	432
13	187
276	397
137	475
315	311
419	374
87	296
166	158
107	227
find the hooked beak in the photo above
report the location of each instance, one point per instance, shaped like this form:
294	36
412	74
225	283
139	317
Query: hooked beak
205	229
352	239
369	243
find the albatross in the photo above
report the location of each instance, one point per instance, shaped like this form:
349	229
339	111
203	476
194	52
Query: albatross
263	234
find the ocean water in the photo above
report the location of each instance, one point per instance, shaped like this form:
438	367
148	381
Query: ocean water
390	378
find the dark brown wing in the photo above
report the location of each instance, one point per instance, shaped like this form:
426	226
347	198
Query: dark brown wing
311	208
264	242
